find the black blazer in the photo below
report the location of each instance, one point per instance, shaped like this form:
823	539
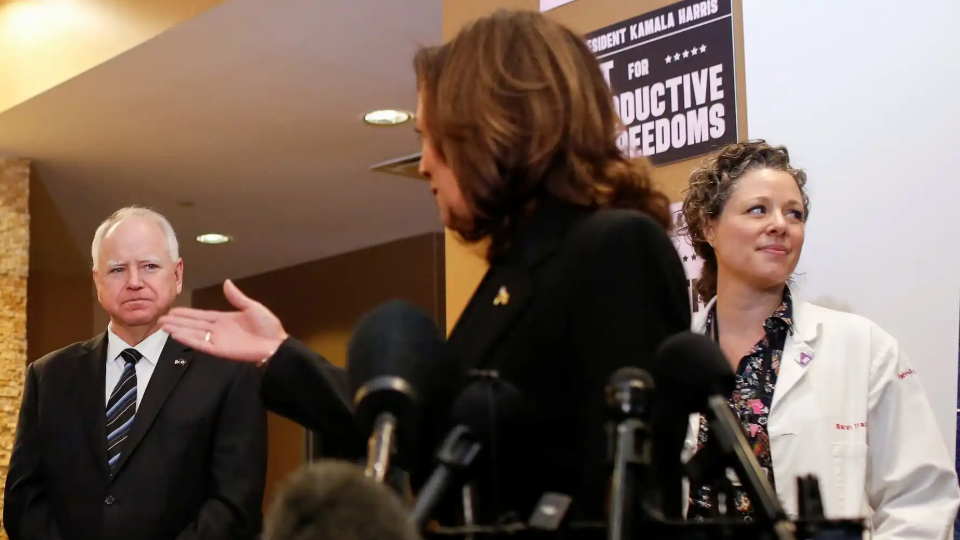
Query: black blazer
194	466
589	292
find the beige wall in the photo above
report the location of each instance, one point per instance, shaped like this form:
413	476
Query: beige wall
321	301
465	266
15	246
45	43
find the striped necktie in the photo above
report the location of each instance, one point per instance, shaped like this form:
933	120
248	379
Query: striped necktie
121	407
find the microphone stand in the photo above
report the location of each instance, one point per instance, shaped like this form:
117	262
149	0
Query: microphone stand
825	529
810	506
627	458
381	447
706	467
456	454
744	463
629	398
468	496
390	401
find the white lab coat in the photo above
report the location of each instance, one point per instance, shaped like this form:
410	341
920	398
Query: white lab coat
849	408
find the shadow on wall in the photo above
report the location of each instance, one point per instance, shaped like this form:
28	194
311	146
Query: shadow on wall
831	303
797	282
60	296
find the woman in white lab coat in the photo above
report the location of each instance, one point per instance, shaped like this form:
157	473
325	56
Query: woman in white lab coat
818	391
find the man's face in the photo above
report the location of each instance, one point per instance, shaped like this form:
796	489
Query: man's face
136	279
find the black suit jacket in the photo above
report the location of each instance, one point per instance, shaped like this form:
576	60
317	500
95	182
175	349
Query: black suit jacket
194	465
589	292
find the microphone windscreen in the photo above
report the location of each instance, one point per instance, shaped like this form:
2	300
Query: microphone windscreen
690	367
330	499
629	394
395	339
488	406
628	374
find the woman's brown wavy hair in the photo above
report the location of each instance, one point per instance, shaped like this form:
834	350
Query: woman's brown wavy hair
517	107
710	187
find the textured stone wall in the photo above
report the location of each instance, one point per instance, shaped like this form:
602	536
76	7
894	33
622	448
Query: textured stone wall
14	263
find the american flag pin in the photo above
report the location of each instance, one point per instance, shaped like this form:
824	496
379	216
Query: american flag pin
805	359
179	362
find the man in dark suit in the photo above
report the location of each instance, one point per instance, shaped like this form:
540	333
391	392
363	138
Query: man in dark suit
132	434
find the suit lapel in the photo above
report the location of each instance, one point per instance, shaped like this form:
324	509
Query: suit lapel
92	373
507	288
501	297
173	363
798	352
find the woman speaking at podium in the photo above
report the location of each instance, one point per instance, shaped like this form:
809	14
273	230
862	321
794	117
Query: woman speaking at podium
519	145
818	391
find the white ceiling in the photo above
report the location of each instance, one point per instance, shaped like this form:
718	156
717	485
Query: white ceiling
251	111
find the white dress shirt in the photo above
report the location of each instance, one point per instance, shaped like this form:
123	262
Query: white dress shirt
150	348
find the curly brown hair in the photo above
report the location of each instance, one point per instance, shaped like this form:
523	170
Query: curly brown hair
519	110
710	187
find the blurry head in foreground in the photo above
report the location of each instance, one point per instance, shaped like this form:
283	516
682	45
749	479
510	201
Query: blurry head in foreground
333	500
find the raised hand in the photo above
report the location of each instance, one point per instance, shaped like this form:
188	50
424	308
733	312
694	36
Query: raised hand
251	334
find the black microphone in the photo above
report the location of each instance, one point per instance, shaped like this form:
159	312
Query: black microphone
392	364
629	395
334	499
810	507
693	369
810	503
481	410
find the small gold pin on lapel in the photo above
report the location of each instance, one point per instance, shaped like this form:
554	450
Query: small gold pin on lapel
503	297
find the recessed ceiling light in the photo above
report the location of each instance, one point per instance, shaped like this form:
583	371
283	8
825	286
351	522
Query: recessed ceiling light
387	117
213	238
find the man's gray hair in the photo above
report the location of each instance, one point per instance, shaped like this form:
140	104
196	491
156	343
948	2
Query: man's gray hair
140	212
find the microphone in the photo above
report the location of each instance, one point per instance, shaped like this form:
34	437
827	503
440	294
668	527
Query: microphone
478	411
810	507
629	395
808	497
334	499
695	371
392	363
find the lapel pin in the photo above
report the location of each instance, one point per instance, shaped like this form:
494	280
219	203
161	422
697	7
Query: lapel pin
180	362
805	359
503	297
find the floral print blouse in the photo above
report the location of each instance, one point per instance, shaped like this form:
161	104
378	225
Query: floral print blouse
756	379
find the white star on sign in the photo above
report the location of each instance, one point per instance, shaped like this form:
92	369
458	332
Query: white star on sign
667	59
693	51
686	53
703	48
676	56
